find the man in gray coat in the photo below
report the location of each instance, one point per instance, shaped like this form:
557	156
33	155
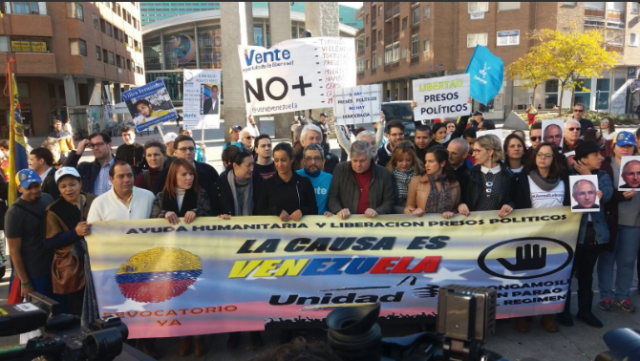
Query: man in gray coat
361	186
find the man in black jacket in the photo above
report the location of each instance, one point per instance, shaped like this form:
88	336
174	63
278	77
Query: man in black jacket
41	160
131	152
458	149
210	105
395	134
95	175
185	148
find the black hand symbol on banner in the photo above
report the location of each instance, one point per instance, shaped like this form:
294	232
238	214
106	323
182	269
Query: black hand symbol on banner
526	260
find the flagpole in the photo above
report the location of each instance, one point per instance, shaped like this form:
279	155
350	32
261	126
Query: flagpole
12	193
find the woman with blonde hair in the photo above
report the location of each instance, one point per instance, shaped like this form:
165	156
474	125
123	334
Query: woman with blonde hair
404	165
489	187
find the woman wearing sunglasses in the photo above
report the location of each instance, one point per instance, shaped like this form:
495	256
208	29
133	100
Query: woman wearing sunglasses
607	128
544	184
489	187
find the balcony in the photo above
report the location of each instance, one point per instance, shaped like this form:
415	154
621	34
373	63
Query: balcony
392	11
415	59
373	20
359	33
360	13
374	45
360	53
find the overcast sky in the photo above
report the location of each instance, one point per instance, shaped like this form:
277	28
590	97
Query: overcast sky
352	5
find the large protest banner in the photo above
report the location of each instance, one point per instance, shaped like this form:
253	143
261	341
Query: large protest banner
201	99
298	74
218	276
149	105
441	97
357	105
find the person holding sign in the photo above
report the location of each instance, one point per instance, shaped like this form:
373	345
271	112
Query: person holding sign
287	194
489	187
375	140
625	225
437	190
404	165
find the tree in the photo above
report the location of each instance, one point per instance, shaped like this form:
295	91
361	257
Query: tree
529	70
569	55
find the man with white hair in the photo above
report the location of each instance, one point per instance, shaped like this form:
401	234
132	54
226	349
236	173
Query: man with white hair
571	135
313	134
361	186
458	149
246	138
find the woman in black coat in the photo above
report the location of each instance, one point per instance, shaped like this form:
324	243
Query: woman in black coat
286	195
237	188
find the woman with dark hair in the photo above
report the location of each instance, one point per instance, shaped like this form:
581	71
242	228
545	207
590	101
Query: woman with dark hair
605	145
237	187
155	156
607	128
66	227
514	149
286	194
436	191
544	184
451	126
442	137
403	165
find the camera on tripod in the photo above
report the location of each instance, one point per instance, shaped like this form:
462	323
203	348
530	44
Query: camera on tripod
63	337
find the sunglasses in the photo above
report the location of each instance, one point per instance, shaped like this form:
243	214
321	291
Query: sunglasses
535	139
604	122
579	110
573	129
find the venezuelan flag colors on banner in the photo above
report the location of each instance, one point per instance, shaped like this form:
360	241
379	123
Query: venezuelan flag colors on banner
217	276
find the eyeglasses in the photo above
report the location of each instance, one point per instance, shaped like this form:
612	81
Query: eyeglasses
96	145
573	129
535	139
313	159
544	155
476	150
578	110
249	137
604	122
186	149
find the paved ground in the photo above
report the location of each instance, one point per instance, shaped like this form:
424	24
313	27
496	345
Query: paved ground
579	343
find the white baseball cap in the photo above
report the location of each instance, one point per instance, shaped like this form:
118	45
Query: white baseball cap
170	137
64	171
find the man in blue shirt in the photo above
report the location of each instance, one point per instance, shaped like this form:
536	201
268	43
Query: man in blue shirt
313	158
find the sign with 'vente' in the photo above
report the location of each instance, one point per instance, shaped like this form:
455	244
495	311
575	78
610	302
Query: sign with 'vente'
441	97
296	74
357	105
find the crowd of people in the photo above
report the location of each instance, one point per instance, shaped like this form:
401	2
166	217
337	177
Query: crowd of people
447	169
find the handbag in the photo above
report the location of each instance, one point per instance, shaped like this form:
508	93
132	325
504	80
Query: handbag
67	272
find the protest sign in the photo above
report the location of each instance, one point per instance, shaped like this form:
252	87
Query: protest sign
629	178
298	74
584	189
552	132
441	97
357	105
149	105
201	99
216	276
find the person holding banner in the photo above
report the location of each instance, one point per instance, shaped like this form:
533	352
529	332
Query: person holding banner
544	184
321	181
237	188
287	194
264	166
404	166
312	134
155	154
361	186
489	187
437	190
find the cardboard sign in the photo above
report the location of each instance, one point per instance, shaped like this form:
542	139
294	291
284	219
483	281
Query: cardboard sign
357	105
149	105
202	102
629	173
441	97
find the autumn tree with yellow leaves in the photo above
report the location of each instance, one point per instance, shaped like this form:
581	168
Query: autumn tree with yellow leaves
564	55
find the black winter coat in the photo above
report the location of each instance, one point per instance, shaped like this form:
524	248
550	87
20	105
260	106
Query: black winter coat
476	187
222	197
88	170
276	195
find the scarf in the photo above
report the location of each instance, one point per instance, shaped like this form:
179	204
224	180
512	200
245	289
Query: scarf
439	201
546	184
446	139
248	195
189	203
402	180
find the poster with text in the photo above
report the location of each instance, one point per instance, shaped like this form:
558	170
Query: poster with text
357	105
149	105
629	173
298	74
201	99
441	97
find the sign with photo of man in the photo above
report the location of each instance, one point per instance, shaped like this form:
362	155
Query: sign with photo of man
149	105
202	102
584	193
552	132
629	173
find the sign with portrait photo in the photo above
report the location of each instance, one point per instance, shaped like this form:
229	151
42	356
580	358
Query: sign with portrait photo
552	132
149	105
629	173
202	102
584	190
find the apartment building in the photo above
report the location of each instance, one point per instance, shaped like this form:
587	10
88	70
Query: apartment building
65	55
402	41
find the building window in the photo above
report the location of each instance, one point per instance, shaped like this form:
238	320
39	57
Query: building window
119	61
380	10
112	60
426	46
373	59
388	54
109	29
98	53
594	6
366	42
477	39
380	35
415	45
75	11
404	23
96	22
426	12
26	8
551	93
569	4
129	64
415	16
4	44
360	65
118	9
509	37
30	44
373	37
633	39
368	64
78	47
366	19
634	8
135	23
504	6
105	56
478	7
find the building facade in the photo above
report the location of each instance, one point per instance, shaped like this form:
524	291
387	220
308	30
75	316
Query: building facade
154	11
64	55
194	41
402	41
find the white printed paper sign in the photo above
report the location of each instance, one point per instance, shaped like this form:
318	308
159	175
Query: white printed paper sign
201	99
441	97
357	105
298	74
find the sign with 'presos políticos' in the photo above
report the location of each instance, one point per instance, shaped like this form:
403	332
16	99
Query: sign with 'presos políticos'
441	97
357	105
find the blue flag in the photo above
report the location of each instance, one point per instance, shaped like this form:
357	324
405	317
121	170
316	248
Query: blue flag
486	72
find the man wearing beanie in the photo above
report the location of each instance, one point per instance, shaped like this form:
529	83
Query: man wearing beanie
593	233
